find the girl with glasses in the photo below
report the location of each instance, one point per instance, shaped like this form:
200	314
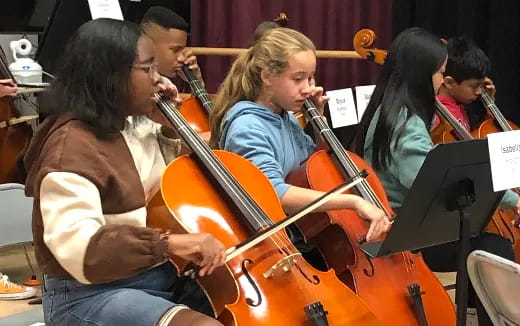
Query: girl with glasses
92	166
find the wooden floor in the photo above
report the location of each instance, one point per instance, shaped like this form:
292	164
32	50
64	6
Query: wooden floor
14	264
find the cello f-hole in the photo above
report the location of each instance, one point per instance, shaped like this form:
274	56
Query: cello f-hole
250	301
314	279
371	271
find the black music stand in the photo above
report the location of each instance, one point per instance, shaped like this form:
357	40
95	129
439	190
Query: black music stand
451	199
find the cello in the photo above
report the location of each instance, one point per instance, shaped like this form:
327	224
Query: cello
15	133
503	221
270	283
399	288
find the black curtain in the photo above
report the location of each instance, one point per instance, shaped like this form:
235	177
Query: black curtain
15	15
492	24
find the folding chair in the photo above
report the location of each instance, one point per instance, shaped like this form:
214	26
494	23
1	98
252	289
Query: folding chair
15	214
497	283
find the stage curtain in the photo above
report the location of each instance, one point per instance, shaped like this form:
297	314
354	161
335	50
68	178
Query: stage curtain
330	24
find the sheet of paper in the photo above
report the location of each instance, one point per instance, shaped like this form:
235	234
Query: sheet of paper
105	9
342	108
363	94
504	157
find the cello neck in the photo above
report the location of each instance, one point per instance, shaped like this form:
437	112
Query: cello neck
494	111
462	133
197	89
237	196
343	161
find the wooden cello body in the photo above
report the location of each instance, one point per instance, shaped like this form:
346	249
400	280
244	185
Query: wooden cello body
399	288
270	284
194	113
14	138
489	126
503	220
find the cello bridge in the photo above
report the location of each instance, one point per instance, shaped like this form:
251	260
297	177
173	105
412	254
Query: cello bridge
284	264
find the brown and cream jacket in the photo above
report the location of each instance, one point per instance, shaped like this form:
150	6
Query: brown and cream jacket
90	195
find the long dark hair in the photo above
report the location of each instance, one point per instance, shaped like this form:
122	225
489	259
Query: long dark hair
93	80
405	81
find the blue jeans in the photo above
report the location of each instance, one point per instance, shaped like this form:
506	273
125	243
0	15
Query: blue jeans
138	300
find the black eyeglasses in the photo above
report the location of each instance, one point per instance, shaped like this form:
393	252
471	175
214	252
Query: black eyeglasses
150	68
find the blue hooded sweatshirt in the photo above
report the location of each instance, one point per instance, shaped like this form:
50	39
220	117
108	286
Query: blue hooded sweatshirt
274	142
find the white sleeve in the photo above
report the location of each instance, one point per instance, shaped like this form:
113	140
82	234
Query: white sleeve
71	213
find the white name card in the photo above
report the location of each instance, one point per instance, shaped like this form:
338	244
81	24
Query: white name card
363	95
105	9
342	108
504	157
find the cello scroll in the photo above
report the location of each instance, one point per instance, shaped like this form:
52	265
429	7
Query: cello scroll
282	20
363	41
